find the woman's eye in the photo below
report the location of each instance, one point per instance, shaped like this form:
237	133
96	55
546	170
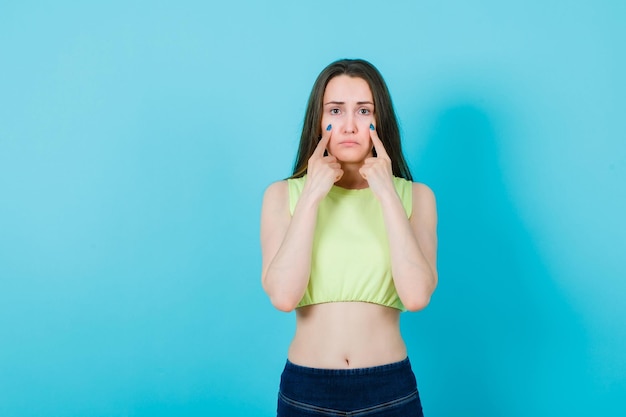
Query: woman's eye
334	111
364	111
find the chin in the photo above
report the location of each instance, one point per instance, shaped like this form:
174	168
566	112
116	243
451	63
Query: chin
350	155
351	160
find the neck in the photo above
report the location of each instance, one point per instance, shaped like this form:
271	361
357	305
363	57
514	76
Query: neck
351	178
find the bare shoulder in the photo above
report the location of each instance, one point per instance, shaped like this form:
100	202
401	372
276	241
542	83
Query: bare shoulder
424	203
276	198
278	187
423	193
277	190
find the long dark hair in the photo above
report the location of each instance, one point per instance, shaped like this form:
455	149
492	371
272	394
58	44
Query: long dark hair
386	121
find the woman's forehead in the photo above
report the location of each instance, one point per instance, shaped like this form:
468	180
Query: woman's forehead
344	88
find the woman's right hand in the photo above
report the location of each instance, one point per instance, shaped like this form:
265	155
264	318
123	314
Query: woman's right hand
323	171
287	240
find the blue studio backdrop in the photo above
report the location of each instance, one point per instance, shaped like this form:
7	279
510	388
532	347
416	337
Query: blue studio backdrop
136	141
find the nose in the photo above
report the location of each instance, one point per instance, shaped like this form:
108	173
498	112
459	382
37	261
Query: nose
350	126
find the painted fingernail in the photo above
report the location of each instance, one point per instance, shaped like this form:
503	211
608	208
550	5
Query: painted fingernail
371	126
328	128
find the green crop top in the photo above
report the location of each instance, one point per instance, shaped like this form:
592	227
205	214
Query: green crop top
351	259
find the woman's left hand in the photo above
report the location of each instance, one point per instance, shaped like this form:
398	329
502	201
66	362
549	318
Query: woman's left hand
377	169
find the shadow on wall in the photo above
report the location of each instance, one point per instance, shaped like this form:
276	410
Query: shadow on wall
498	338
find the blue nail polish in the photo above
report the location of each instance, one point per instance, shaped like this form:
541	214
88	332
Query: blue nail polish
328	128
371	126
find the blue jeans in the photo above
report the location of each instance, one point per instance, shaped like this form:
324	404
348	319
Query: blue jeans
381	391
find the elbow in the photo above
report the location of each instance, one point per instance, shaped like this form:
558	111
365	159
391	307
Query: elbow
283	304
280	300
416	303
420	298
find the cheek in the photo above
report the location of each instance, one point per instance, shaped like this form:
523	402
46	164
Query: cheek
364	132
363	125
326	120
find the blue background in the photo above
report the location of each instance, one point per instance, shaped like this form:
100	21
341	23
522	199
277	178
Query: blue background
136	140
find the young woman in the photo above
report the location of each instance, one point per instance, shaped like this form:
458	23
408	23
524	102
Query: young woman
349	241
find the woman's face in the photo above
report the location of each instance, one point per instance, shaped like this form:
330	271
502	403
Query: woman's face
349	108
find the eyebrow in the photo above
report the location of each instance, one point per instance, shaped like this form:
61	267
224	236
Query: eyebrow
343	102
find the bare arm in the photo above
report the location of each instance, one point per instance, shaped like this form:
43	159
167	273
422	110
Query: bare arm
286	245
287	241
413	246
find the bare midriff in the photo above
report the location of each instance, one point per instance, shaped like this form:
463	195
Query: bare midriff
347	335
